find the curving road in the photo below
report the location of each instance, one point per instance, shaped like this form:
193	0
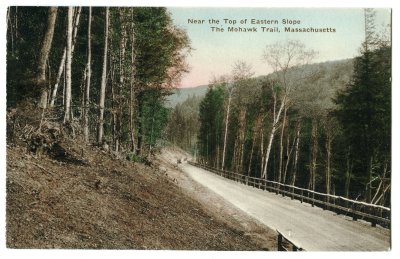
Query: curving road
311	228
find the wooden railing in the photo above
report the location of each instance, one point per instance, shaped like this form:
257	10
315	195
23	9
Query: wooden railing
375	214
284	242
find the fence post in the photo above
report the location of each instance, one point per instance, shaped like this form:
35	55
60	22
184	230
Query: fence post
292	193
280	245
301	201
354	215
337	210
373	221
313	196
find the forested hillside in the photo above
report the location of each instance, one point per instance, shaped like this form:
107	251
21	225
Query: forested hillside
322	126
103	73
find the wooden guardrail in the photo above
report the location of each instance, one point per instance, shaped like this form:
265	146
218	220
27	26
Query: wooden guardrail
281	243
375	214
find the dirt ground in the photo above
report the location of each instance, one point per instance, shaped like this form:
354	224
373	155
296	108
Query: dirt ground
214	204
95	200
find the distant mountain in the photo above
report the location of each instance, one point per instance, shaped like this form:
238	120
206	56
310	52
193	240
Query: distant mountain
336	74
181	94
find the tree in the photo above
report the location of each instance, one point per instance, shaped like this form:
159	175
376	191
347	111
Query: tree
89	77
241	72
364	110
183	124
161	49
103	80
40	78
229	89
67	109
64	56
284	58
132	84
140	54
210	117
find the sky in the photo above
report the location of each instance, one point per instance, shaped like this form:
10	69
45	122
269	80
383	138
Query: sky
214	53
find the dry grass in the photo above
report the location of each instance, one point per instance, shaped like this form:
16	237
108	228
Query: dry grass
98	201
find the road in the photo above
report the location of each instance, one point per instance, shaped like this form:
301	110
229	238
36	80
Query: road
309	227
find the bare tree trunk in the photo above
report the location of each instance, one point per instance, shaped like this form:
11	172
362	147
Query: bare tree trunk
64	84
226	129
328	146
132	87
234	164
281	145
59	74
131	115
40	77
272	134
67	107
369	184
262	147
349	167
217	157
289	152
382	195
242	132
10	28
113	103
140	124
381	183
296	153
62	63
89	75
83	89
103	81
252	151
121	86
313	161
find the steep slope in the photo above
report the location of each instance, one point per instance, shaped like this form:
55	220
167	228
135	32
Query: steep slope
96	200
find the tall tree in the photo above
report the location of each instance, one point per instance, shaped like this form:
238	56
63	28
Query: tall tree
132	85
61	67
40	77
241	71
160	53
210	117
284	58
68	87
364	110
88	79
100	128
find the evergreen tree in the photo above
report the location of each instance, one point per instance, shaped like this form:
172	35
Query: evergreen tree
364	112
210	134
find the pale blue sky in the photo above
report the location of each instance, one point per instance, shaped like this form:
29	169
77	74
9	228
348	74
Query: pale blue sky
215	52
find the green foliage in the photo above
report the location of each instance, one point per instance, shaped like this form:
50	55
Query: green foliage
159	44
155	117
211	123
183	124
364	111
157	47
132	157
25	31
